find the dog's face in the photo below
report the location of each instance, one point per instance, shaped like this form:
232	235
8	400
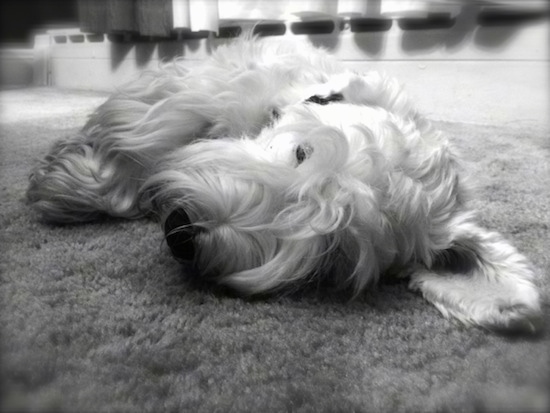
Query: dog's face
302	192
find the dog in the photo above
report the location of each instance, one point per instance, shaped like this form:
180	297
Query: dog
271	165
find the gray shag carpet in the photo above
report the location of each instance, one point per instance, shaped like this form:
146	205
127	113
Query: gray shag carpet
99	317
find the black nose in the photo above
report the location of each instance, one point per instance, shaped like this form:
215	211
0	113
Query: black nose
179	235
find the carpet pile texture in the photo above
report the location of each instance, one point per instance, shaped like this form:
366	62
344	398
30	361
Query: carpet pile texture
99	318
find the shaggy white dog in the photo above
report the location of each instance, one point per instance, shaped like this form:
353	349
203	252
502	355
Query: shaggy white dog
272	165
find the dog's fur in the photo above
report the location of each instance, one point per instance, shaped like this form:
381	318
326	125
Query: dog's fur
271	165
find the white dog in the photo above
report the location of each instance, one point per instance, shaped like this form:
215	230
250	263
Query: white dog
272	165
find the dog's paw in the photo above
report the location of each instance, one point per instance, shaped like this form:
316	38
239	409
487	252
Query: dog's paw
519	318
502	306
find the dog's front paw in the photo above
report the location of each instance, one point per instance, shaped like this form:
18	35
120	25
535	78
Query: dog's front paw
520	318
505	305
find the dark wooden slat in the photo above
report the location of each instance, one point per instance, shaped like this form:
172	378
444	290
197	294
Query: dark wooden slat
93	16
121	16
154	17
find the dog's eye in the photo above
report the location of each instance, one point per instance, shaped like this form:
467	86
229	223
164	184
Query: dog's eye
275	115
303	152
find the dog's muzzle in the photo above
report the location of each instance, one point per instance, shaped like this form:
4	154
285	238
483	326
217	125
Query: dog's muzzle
179	235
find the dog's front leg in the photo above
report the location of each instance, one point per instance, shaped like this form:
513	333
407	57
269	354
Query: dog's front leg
482	280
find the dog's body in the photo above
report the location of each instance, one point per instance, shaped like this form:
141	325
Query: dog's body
272	164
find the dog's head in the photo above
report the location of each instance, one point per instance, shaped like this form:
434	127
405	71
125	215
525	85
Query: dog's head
304	196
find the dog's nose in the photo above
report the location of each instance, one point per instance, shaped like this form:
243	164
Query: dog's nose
179	235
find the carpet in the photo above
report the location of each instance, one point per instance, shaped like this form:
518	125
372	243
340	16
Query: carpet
99	318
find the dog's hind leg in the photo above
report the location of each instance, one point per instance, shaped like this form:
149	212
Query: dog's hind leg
482	280
100	170
75	183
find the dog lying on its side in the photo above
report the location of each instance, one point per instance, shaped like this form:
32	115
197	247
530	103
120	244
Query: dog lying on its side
271	164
